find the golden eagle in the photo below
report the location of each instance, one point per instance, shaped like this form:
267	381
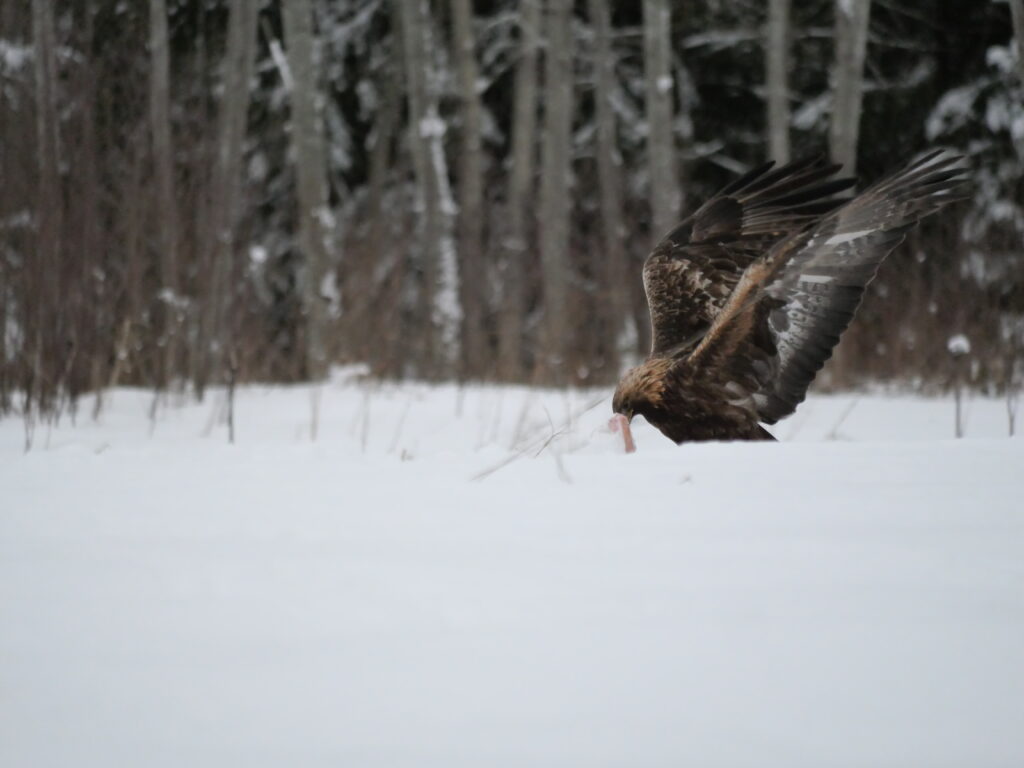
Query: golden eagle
749	295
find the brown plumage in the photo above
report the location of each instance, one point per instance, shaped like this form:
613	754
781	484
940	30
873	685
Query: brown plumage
750	294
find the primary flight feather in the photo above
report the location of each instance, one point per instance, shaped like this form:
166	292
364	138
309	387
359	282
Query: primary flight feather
750	294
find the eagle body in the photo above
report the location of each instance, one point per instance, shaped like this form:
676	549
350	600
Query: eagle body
749	295
689	404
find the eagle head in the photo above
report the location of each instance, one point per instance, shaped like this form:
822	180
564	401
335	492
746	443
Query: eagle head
641	391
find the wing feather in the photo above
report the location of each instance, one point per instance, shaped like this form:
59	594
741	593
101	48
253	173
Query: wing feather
690	274
812	283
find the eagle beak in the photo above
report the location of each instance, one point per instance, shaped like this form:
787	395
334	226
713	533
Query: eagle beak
620	423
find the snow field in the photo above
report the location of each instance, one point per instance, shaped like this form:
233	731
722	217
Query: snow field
446	578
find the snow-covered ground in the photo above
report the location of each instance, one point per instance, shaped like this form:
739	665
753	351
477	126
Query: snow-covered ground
482	578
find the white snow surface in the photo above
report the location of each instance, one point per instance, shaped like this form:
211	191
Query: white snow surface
852	595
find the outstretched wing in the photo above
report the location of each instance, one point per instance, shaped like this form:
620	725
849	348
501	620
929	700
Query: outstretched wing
690	274
801	296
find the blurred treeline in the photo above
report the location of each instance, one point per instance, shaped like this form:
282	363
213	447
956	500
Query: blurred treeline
198	191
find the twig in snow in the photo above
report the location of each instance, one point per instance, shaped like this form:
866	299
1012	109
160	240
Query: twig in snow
460	396
496	424
551	426
531	446
551	438
214	418
314	408
400	425
833	433
232	380
364	437
483	402
560	467
152	411
1012	394
959	348
30	427
517	435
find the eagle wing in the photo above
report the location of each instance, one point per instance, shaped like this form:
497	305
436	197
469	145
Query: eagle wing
691	273
788	309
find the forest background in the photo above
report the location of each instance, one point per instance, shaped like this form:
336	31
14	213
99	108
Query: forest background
202	192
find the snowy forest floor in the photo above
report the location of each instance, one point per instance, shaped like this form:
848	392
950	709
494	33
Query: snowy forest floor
481	577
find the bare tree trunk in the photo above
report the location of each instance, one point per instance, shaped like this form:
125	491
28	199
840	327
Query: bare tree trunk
132	220
1017	11
440	312
521	187
471	193
609	171
555	200
365	284
777	85
49	211
49	206
661	155
163	172
316	236
1012	390
226	187
851	42
851	37
89	197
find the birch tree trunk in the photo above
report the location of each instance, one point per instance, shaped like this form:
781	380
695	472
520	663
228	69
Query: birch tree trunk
555	200
661	156
1017	12
163	179
226	184
440	312
521	189
609	171
316	236
851	41
471	193
777	76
